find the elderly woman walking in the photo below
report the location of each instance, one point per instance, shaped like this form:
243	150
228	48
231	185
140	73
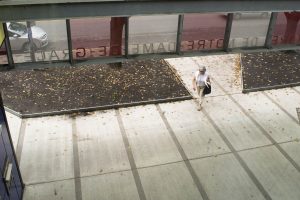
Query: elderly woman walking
201	79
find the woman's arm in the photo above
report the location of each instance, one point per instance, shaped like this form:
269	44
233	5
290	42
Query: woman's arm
208	79
194	83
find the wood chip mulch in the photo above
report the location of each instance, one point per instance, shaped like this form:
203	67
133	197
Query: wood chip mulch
271	69
64	88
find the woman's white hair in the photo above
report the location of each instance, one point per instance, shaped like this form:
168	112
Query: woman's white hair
202	67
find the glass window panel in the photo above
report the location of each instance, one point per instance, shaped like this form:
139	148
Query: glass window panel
152	34
203	31
98	37
3	55
49	41
249	29
18	37
287	29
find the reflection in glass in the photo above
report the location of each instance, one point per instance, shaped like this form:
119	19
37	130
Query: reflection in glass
287	29
38	41
152	34
98	37
203	31
3	56
18	37
249	29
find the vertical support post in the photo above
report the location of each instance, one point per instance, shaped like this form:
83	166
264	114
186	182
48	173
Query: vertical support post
70	47
228	32
116	35
126	37
9	54
31	44
179	34
268	41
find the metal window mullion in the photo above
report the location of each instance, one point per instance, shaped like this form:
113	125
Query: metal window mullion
227	32
127	37
179	34
268	41
31	43
70	47
9	54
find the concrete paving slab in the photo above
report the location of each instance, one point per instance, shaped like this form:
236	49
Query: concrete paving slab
184	64
195	134
277	123
224	178
100	145
112	186
150	141
47	150
277	175
293	149
169	182
234	124
51	191
229	84
14	124
287	98
218	64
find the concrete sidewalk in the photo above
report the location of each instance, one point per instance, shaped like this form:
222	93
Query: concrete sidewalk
239	147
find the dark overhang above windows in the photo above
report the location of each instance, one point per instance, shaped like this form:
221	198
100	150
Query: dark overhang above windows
14	10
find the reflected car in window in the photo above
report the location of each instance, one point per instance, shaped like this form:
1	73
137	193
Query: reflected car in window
253	15
18	36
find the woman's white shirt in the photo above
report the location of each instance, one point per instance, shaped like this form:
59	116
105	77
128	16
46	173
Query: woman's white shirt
201	79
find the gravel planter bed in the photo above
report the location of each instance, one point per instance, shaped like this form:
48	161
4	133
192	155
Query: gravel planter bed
270	70
101	86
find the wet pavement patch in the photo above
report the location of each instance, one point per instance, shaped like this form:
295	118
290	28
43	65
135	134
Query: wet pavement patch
270	70
71	88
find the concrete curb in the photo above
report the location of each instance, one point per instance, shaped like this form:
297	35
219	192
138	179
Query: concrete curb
270	87
96	108
106	107
12	112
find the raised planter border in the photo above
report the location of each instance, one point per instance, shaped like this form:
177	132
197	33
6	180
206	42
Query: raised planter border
96	108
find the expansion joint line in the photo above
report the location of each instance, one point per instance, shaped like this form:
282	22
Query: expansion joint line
134	170
183	155
77	177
